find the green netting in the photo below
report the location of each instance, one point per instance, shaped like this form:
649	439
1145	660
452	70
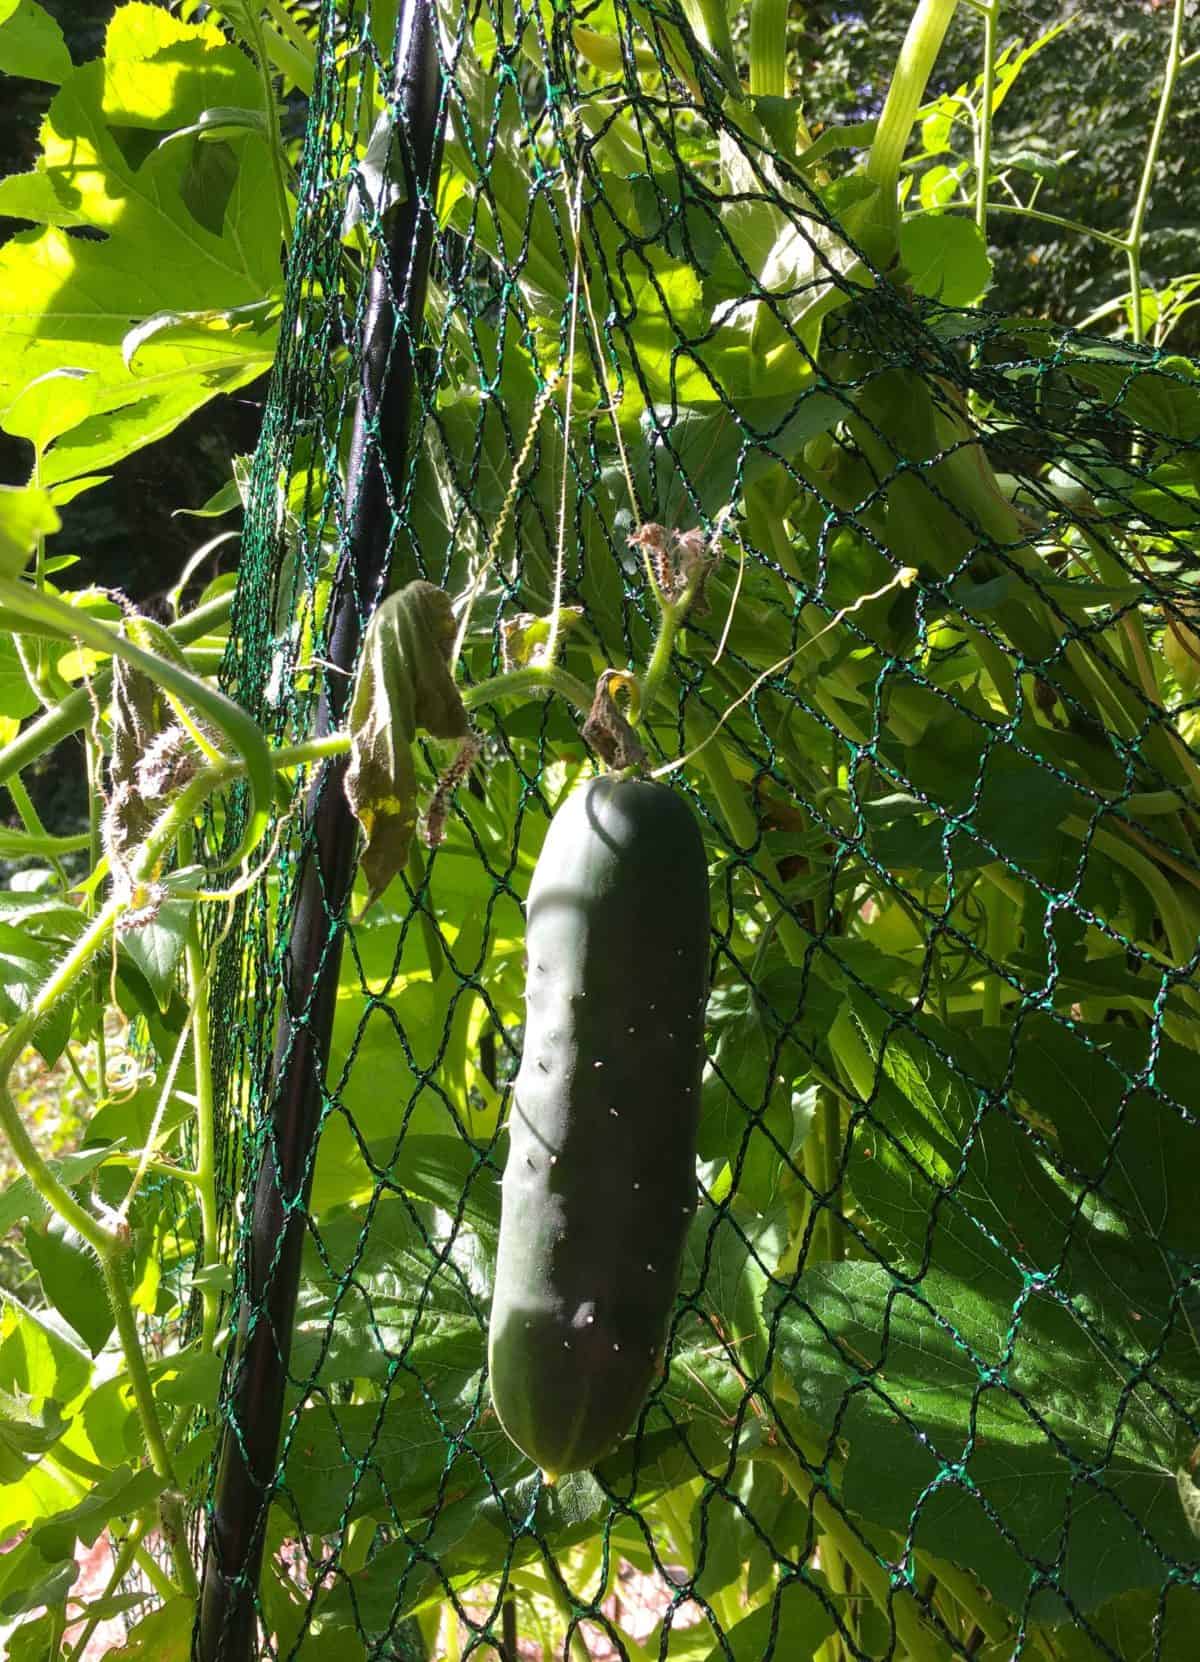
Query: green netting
930	1387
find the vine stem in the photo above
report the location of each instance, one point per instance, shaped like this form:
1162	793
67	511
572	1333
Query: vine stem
73	712
205	1173
1062	223
243	733
533	678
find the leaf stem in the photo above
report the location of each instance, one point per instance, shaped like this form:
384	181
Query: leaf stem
971	1598
205	1175
170	1505
768	48
1063	224
983	152
241	731
910	77
1142	203
258	45
921	1644
123	1562
74	711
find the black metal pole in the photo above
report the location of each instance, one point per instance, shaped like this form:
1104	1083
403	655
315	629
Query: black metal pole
227	1627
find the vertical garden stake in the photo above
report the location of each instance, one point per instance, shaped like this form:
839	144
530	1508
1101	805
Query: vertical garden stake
227	1626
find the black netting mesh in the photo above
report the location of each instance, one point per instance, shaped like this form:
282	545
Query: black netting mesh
930	1385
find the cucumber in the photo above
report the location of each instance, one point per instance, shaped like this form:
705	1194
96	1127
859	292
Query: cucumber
600	1184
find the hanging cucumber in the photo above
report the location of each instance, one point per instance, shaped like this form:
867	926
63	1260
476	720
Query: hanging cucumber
599	1187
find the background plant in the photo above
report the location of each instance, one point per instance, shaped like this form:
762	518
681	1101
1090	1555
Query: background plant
941	1286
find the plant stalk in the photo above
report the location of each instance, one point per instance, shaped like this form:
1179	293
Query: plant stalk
910	77
1138	222
920	1643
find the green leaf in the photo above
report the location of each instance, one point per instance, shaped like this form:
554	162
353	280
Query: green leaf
960	1404
21	1200
946	258
26	513
221	502
34	931
26	1432
60	495
157	947
71	1280
31	43
27	1582
120	1494
165	1635
1125	1108
472	1537
37	1640
397	1300
392	1459
49	405
1162	396
17	697
791	1626
194	1381
747	1114
448	1171
978	799
726	1264
68	300
35	1359
404	683
1158	1626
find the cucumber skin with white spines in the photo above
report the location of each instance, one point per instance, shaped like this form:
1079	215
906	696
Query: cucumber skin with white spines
599	1186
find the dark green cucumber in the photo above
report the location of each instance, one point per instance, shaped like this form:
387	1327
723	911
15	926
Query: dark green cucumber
600	1184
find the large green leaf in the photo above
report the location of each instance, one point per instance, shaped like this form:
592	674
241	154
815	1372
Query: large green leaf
996	1432
1125	1106
120	1494
28	1427
407	1299
791	1625
26	513
70	302
31	43
71	1279
36	1359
